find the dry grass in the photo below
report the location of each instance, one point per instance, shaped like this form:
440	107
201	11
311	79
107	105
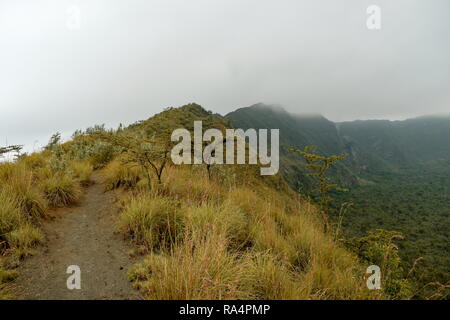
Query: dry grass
21	204
117	174
61	190
238	243
27	187
226	219
152	221
34	161
19	182
189	184
82	171
199	268
10	214
5	277
24	239
268	279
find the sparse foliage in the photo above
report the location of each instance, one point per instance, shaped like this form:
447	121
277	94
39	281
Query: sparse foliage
55	140
318	166
380	249
151	154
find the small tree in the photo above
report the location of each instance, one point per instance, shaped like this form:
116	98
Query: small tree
208	159
55	139
319	165
378	248
152	154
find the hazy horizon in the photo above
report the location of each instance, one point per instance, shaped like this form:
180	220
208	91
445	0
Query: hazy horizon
67	65
35	144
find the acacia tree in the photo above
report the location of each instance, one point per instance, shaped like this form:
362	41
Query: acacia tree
208	157
156	154
151	154
318	166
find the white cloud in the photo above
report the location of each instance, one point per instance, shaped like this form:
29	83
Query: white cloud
132	58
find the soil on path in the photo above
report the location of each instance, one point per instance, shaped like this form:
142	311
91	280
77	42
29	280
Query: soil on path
83	235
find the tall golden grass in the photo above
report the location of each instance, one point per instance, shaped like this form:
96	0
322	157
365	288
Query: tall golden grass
238	240
28	187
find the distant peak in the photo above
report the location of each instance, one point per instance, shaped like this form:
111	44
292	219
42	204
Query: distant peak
276	108
309	115
261	107
432	116
273	107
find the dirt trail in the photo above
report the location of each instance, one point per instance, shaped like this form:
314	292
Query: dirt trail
84	236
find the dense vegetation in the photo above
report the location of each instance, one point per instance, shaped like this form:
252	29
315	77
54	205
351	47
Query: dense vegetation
397	175
396	202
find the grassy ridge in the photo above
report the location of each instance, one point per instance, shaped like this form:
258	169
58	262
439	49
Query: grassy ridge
234	235
224	239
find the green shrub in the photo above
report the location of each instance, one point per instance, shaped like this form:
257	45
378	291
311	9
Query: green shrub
379	248
101	154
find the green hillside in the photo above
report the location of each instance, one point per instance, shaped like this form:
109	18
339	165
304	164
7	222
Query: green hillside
296	132
397	173
394	145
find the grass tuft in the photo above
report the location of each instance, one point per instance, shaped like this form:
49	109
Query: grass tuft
10	214
61	190
116	175
198	268
152	221
24	239
20	185
82	171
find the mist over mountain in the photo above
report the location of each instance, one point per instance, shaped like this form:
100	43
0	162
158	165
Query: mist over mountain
373	146
397	172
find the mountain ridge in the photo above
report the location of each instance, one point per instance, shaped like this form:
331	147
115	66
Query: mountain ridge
373	146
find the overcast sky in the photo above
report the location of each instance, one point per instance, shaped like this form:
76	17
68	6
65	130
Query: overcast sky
131	58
